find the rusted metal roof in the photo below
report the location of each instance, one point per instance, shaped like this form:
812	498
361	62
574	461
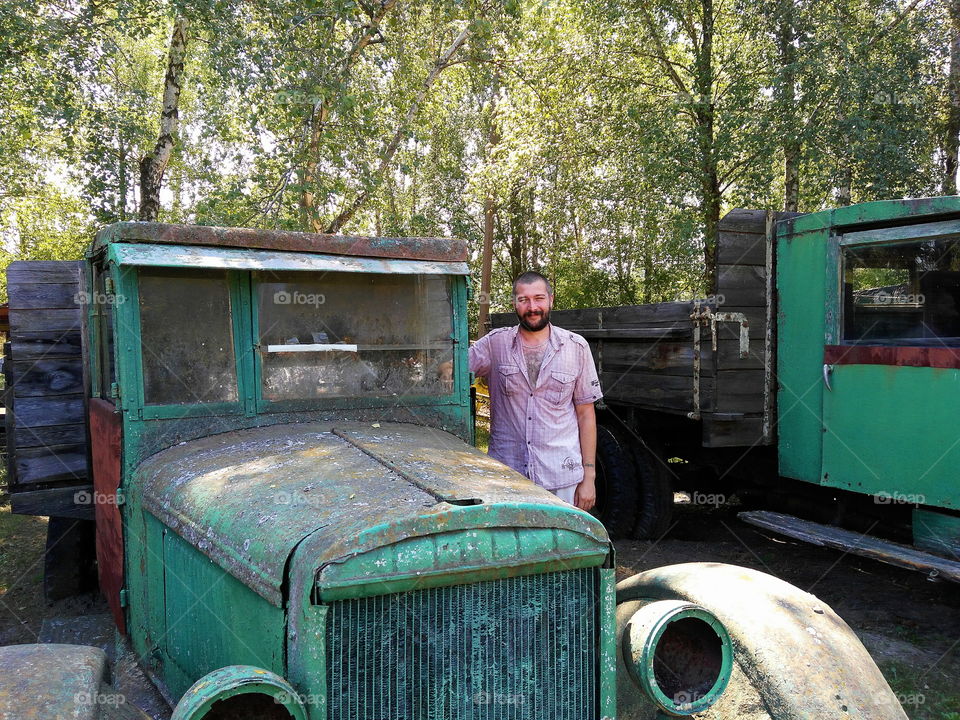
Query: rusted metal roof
244	259
248	498
409	248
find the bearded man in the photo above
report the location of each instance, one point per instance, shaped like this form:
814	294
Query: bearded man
543	384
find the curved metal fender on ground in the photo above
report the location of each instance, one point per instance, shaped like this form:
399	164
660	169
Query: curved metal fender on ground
243	684
802	659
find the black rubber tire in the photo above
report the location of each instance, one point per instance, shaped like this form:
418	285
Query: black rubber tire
70	560
655	490
617	492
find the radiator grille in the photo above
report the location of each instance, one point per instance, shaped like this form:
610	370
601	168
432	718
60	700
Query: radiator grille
522	648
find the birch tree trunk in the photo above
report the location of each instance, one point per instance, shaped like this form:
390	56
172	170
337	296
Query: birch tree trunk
153	166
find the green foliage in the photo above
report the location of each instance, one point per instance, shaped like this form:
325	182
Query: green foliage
596	129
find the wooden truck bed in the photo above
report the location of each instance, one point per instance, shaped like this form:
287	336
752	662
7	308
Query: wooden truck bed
647	355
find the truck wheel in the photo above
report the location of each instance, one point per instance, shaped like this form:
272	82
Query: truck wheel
69	563
655	491
617	493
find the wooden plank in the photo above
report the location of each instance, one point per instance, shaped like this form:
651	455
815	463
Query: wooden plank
39	412
855	543
654	390
50	435
32	295
756	319
55	502
724	431
572	318
43	321
653	314
743	220
56	343
739	391
740	248
670	358
728	353
639	333
43	271
742	285
51	464
48	378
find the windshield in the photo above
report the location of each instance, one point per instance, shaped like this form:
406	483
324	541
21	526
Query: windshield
353	334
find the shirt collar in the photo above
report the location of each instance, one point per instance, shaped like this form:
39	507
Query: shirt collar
555	341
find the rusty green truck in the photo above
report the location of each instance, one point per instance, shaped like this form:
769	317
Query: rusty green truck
819	379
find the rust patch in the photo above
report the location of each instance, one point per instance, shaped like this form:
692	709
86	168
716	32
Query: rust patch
933	357
105	429
406	248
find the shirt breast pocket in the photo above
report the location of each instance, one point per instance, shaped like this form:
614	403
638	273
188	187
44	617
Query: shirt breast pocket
561	387
510	380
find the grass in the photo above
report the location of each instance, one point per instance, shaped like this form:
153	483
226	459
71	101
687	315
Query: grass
933	695
22	543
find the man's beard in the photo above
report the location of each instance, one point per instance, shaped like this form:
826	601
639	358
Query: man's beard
534	321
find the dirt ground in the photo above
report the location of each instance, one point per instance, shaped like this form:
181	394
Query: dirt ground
910	625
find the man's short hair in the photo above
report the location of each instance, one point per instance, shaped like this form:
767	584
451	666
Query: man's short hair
531	276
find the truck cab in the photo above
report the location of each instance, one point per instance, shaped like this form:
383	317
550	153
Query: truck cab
279	430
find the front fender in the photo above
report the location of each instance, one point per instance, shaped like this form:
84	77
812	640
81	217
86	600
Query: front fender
801	659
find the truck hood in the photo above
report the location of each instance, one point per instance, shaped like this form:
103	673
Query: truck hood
248	498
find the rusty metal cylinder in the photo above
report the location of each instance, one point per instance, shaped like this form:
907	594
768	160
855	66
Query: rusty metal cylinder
678	654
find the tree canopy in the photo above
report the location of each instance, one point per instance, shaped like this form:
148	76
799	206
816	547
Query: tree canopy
602	139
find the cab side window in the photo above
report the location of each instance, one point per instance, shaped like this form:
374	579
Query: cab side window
187	344
103	306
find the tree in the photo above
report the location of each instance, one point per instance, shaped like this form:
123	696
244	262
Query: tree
153	165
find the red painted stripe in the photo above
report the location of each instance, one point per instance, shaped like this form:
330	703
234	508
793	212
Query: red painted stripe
937	357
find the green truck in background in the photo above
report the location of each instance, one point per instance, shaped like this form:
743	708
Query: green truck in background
291	521
820	380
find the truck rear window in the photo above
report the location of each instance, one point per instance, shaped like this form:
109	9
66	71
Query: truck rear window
353	334
187	337
902	293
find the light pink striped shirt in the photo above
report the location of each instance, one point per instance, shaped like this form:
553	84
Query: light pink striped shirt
534	430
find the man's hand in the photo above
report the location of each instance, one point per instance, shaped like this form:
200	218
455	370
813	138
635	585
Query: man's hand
586	495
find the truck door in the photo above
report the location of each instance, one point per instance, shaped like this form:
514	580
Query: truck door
891	373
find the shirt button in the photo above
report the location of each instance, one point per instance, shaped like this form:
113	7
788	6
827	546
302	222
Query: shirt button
529	418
